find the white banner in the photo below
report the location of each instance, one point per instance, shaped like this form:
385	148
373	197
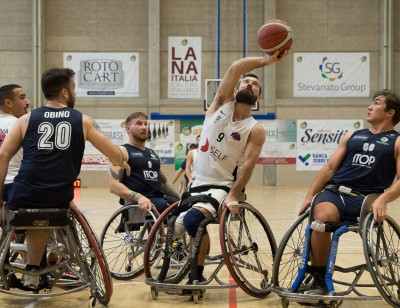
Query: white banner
317	140
114	74
331	74
184	67
161	138
280	142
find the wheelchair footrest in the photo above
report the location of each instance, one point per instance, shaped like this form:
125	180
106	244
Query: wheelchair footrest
308	298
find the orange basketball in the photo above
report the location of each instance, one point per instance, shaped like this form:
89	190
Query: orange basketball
275	35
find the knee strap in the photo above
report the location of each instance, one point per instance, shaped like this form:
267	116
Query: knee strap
192	220
188	201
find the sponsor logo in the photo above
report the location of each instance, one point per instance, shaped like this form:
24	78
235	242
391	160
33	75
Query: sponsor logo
323	138
384	141
217	119
101	74
150	175
217	154
222	112
204	148
305	158
363	160
330	70
236	136
360	137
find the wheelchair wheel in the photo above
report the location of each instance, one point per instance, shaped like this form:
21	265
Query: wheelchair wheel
154	257
92	256
288	255
381	243
248	247
123	242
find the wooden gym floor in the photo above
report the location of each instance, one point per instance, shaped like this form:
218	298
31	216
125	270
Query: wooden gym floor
279	205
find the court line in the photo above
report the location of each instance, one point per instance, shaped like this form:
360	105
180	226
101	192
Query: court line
232	291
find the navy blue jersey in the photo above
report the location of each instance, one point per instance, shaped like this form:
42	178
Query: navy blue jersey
53	148
183	166
369	165
145	172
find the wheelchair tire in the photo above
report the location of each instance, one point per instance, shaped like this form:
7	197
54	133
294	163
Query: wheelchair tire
92	255
124	249
288	255
248	247
381	243
178	266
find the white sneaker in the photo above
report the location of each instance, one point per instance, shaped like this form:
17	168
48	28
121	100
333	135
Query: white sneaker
31	281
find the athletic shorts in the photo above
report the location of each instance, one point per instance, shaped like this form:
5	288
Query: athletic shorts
349	206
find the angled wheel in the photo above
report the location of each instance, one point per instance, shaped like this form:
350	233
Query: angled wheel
288	255
174	266
92	256
381	243
124	239
248	247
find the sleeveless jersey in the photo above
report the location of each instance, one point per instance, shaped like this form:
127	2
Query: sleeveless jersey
145	172
221	148
7	121
369	165
193	166
53	149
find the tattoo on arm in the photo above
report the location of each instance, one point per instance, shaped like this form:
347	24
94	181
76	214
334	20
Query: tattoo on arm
96	126
117	176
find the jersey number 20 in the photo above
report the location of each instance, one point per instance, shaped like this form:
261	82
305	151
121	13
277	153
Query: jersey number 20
62	136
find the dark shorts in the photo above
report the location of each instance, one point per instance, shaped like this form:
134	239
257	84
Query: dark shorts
349	206
161	204
192	220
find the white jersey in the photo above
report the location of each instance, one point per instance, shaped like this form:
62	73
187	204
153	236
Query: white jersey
193	165
221	148
7	121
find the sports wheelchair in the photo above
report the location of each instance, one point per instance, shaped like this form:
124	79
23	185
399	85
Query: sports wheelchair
124	238
77	259
247	243
380	246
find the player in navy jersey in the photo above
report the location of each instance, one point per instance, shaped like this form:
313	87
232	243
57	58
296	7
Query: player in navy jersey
53	140
366	161
146	184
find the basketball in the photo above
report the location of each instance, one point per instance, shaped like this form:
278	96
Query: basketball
275	35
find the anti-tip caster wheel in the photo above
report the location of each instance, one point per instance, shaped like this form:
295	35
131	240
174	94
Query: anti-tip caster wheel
196	297
154	293
285	302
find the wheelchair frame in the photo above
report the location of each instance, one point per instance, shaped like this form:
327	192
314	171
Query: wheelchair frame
237	244
81	263
291	280
123	240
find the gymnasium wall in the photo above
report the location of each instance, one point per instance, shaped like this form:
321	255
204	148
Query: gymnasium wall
144	27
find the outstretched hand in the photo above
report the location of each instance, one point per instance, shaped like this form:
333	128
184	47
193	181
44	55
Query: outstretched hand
278	58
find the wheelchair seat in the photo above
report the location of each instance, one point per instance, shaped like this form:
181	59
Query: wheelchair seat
44	217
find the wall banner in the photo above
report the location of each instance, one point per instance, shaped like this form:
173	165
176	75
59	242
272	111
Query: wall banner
331	74
184	67
280	142
317	140
160	138
99	74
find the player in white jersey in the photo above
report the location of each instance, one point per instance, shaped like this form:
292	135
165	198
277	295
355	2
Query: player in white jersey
230	144
13	104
